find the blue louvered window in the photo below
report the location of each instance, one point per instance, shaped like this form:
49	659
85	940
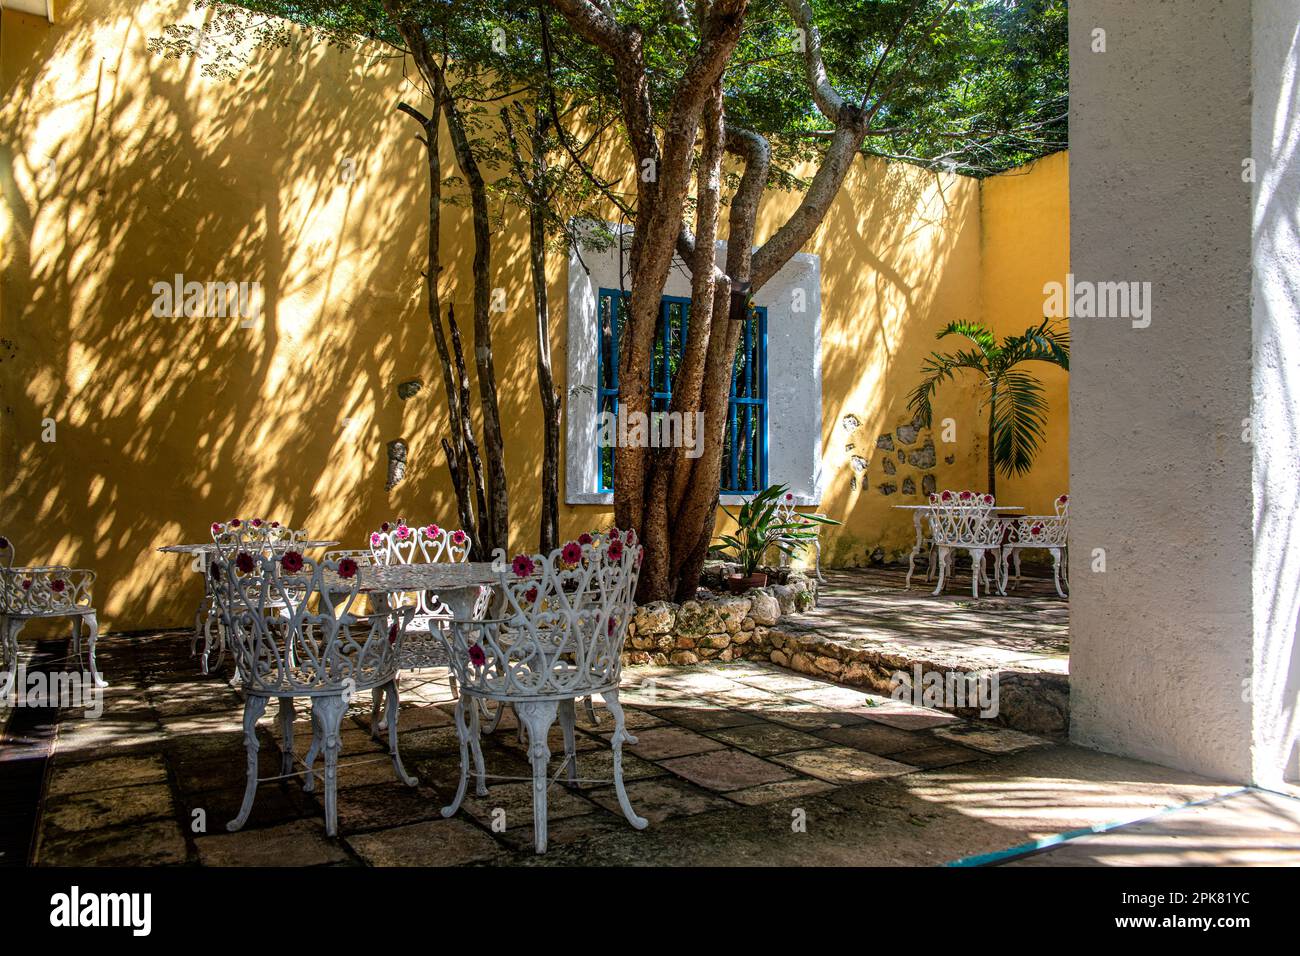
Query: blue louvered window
744	454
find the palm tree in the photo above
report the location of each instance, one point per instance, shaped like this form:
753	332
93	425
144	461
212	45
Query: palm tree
1014	397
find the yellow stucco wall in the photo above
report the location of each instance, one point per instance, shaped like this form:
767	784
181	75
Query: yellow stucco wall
1025	215
118	170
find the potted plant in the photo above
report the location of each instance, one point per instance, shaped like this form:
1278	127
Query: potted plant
764	521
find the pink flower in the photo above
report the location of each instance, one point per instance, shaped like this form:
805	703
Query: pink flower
216	527
613	534
531	595
291	562
615	550
431	531
403	532
244	562
522	565
946	496
347	568
458	536
572	553
585	538
375	538
392	633
476	655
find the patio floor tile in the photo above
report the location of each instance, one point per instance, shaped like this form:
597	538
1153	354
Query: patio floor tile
709	716
843	765
726	770
112	771
658	743
452	842
915	719
155	843
107	808
944	755
515	801
299	843
781	790
990	739
879	738
660	799
765	738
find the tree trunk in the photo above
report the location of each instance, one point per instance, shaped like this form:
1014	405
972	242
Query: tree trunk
993	472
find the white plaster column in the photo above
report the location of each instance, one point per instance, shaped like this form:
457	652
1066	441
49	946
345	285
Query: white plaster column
1183	649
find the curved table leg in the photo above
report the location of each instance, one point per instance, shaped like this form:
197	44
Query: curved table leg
616	741
538	716
916	548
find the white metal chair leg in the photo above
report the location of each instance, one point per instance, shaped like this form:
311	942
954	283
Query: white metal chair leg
377	723
943	567
286	735
462	735
313	751
538	716
817	558
976	570
332	710
393	703
1056	570
616	742
476	750
567	722
254	708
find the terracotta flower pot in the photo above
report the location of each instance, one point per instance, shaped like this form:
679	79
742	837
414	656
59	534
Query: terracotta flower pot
739	584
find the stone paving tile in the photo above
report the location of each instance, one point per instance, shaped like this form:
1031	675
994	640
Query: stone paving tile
781	790
990	739
944	755
839	698
100	809
709	716
452	842
726	770
765	739
598	765
276	802
633	719
516	800
805	716
129	731
879	738
658	743
660	799
779	682
418	717
911	719
843	765
299	843
109	772
155	843
382	806
573	831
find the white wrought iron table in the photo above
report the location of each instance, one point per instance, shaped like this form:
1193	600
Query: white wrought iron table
918	512
457	585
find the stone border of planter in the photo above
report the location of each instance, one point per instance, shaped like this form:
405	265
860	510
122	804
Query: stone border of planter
723	627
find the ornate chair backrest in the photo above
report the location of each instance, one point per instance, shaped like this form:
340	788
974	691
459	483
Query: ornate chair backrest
6	552
964	519
1045	531
254	535
318	645
562	622
1062	506
400	543
45	591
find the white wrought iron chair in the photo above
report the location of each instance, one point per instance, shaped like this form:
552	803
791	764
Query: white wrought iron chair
558	636
399	543
786	514
319	650
1049	532
54	591
964	521
254	535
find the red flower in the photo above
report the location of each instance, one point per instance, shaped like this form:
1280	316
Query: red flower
291	562
988	499
57	585
244	562
257	522
522	565
347	568
585	538
216	527
392	633
531	594
572	553
275	524
476	655
964	496
613	534
789	496
234	522
946	496
615	550
458	536
384	527
27	584
1060	501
